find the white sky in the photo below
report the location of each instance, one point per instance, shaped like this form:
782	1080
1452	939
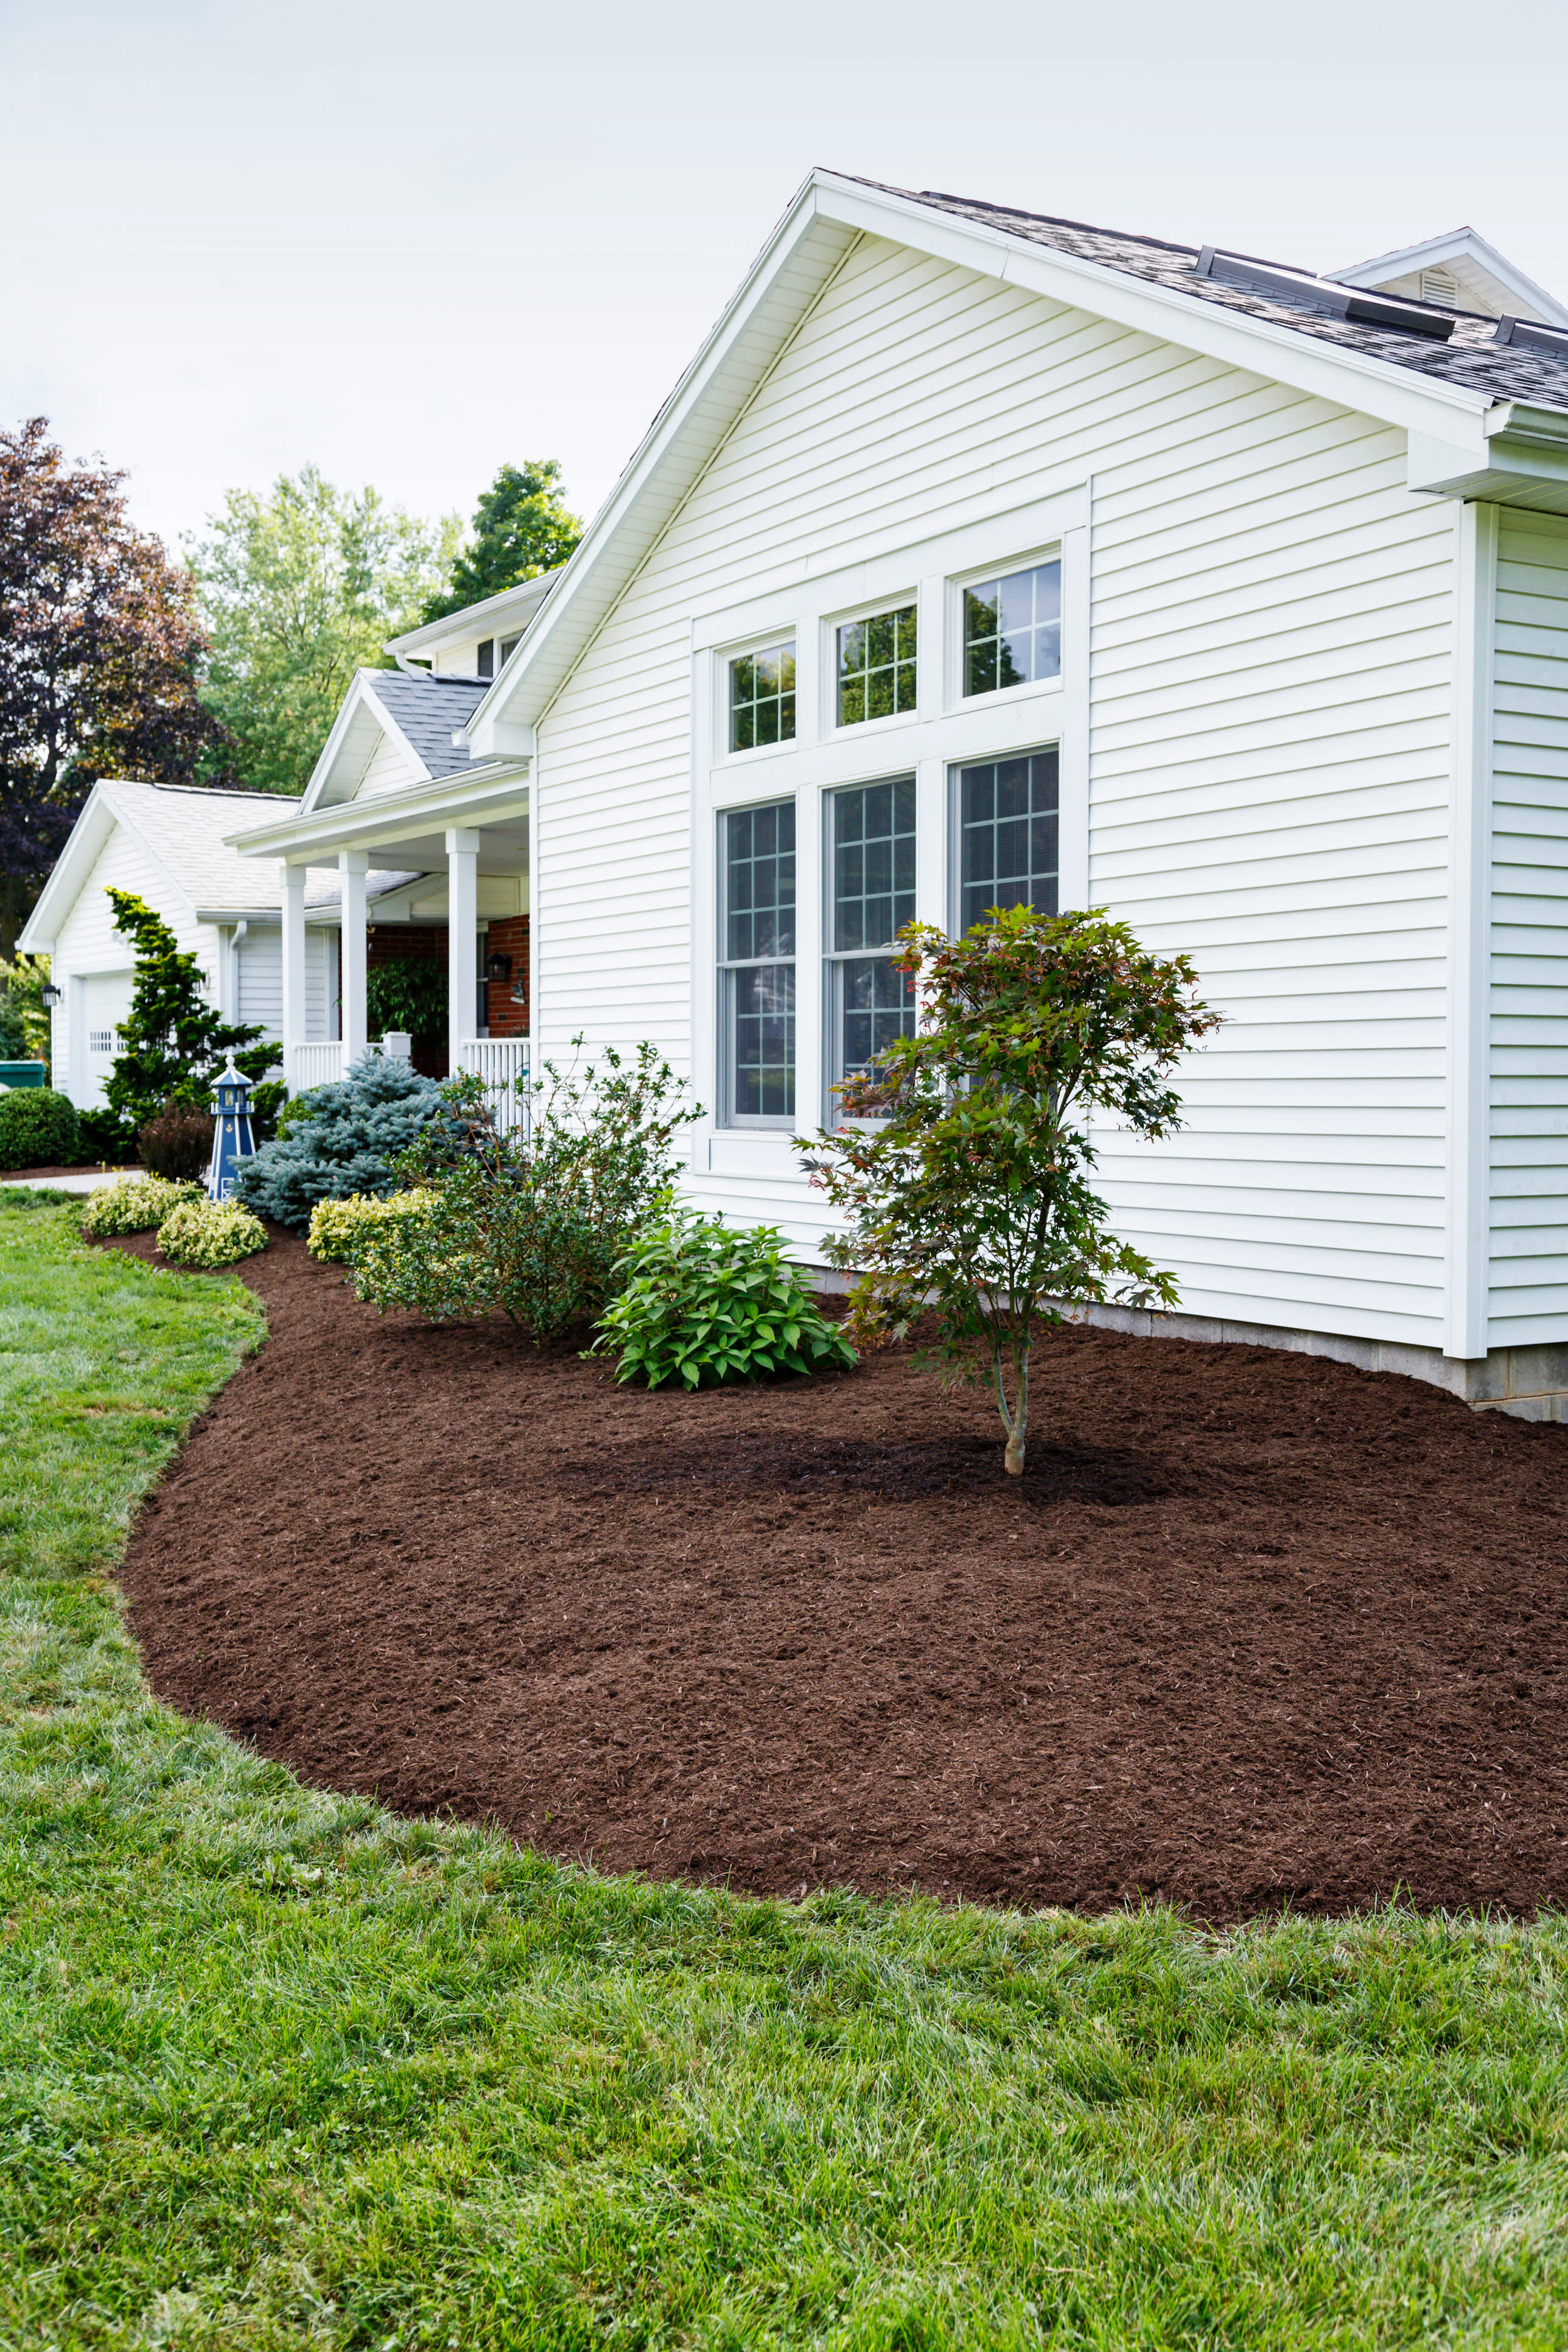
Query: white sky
409	243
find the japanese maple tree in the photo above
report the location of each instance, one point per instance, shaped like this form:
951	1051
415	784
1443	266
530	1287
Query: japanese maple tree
964	1161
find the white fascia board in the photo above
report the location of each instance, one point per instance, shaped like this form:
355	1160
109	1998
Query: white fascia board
96	820
499	790
822	224
1525	463
321	774
1307	363
780	288
456	628
1459	245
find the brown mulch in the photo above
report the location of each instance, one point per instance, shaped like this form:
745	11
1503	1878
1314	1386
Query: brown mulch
1256	1628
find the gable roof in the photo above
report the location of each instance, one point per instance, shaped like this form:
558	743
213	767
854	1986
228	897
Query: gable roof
416	712
1486	278
1471	355
1444	394
182	827
491	616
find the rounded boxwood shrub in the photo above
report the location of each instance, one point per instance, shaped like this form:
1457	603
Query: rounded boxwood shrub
337	1227
705	1303
37	1128
134	1205
210	1233
340	1139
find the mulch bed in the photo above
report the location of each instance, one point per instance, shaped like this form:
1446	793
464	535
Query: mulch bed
1254	1629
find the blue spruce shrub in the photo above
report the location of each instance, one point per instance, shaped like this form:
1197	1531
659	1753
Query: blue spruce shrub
343	1139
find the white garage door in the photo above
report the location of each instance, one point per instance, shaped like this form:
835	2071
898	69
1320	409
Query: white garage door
106	1002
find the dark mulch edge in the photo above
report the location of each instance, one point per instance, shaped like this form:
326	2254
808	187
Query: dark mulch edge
1259	1630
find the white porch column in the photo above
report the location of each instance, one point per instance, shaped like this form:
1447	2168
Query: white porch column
294	878
354	865
462	930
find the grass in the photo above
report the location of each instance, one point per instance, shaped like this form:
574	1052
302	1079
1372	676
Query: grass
277	2069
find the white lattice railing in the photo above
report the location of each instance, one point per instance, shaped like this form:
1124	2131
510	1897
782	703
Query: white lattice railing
315	1064
502	1063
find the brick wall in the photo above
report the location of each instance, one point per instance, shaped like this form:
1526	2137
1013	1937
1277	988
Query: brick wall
413	943
507	1016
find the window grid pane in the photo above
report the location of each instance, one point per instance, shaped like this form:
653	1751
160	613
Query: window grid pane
877	667
1008	822
757	978
761	698
873	864
1013	629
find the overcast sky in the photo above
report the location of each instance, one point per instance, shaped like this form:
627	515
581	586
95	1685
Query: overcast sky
408	243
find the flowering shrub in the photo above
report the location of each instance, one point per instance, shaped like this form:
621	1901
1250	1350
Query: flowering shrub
704	1303
337	1227
134	1205
210	1233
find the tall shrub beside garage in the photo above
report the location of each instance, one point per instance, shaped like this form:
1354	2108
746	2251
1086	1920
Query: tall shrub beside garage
967	1187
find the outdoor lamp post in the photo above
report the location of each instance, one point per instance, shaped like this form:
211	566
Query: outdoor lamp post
232	1139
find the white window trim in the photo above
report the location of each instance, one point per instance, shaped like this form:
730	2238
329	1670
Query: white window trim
954	697
952	921
830	624
929	743
724	1118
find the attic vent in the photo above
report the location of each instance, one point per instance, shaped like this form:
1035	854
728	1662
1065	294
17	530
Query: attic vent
1321	295
1531	337
1440	286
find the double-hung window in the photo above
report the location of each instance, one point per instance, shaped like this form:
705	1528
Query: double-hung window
756	977
1013	629
1006	816
871	897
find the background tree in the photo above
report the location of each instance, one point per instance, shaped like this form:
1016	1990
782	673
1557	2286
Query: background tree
970	1192
522	527
174	1042
100	642
297	589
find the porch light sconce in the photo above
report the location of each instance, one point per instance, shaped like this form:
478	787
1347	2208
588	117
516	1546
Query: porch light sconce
498	967
51	994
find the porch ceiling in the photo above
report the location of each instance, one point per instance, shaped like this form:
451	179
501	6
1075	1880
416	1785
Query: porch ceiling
407	829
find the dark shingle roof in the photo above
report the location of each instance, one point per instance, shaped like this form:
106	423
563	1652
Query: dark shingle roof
1470	357
429	711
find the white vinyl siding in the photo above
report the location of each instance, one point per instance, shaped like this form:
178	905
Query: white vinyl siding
1529	987
388	770
1268	782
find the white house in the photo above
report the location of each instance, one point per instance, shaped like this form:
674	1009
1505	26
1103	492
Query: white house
980	554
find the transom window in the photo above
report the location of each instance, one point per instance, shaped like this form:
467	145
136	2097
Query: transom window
877	667
871	867
1008	835
761	698
757	932
1013	629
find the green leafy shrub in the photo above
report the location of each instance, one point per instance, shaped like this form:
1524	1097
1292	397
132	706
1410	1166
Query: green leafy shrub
134	1205
339	1227
340	1139
13	1032
37	1128
966	1187
705	1303
266	1104
103	1139
296	1111
178	1143
210	1233
408	993
533	1226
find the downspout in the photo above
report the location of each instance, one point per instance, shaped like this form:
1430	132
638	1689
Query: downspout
238	932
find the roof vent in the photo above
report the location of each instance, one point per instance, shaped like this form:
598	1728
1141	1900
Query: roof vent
1531	337
1440	286
1321	294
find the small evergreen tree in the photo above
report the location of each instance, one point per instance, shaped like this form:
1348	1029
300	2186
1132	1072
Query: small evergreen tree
343	1139
173	1043
522	527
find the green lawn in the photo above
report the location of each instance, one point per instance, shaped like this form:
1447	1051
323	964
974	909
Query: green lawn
276	2068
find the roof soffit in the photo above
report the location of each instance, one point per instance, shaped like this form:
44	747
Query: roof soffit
828	216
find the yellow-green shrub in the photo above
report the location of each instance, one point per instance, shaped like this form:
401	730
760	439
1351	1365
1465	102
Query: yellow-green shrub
337	1227
210	1233
134	1205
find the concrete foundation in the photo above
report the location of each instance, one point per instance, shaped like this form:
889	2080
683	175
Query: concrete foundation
1529	1383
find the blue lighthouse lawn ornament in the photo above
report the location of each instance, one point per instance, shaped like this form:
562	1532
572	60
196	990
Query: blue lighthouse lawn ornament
232	1139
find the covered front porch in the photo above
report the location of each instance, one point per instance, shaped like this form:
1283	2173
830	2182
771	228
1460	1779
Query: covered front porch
465	841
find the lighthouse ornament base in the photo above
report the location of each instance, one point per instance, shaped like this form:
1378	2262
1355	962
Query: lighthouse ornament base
232	1138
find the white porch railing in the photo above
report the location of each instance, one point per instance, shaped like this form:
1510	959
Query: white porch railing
503	1064
316	1065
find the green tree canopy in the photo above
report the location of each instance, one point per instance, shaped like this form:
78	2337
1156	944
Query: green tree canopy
300	588
522	527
